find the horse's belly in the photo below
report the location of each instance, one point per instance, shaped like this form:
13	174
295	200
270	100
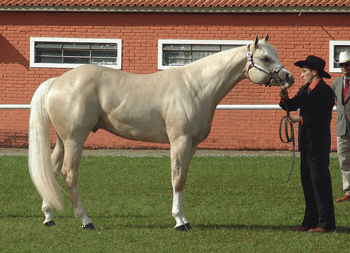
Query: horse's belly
143	136
141	131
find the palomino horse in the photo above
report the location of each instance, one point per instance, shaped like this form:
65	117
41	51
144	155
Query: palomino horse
173	106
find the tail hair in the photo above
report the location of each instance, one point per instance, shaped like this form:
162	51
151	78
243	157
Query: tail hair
39	156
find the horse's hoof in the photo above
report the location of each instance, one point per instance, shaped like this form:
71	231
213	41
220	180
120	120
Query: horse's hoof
184	227
49	223
89	226
188	226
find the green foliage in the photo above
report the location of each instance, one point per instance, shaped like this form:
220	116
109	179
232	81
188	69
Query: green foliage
235	204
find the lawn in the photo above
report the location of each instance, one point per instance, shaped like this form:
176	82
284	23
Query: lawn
235	204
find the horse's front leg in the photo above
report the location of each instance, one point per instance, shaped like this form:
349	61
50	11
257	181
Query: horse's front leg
181	155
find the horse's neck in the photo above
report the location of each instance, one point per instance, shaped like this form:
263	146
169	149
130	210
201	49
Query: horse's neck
217	75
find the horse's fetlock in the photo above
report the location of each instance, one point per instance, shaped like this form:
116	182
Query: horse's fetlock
175	214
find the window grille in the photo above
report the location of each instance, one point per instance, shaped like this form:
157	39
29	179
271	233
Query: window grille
67	53
172	53
335	47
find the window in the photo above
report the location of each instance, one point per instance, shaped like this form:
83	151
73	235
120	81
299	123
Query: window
335	47
173	53
71	53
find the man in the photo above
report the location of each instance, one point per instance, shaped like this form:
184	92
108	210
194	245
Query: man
315	100
342	97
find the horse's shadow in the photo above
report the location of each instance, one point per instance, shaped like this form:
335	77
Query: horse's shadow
283	228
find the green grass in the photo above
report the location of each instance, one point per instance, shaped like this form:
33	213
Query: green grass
235	204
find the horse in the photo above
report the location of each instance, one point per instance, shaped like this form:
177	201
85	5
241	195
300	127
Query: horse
174	106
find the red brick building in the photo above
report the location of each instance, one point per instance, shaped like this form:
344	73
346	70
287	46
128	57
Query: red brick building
138	30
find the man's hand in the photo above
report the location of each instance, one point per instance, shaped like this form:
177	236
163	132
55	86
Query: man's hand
294	118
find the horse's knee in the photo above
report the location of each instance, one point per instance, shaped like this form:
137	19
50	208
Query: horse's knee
178	174
179	185
178	181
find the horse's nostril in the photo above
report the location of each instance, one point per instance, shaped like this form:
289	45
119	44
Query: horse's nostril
290	79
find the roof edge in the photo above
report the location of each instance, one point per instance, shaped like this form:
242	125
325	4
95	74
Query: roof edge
289	9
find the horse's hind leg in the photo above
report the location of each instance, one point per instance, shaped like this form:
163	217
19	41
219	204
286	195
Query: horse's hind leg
72	158
57	161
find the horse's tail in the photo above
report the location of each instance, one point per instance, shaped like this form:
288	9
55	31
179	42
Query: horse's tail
40	165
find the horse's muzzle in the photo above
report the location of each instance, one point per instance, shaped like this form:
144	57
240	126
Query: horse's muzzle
289	80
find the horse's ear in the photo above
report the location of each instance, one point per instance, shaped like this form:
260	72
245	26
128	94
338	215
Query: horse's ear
266	37
256	41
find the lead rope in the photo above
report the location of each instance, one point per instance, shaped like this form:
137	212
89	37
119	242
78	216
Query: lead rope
289	137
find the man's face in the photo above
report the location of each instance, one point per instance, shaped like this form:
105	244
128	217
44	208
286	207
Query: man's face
345	68
307	74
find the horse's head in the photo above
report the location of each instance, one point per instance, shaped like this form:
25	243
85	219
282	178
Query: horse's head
264	66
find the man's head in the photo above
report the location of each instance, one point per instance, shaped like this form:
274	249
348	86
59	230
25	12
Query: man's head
309	75
312	68
344	63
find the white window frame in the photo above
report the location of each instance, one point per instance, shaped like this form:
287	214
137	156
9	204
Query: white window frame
33	40
333	57
161	42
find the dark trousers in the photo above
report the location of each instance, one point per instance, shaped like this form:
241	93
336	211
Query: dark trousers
317	187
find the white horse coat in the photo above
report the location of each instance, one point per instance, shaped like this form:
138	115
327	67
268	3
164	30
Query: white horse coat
173	106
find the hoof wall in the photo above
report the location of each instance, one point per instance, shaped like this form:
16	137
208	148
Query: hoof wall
89	226
184	227
49	223
188	226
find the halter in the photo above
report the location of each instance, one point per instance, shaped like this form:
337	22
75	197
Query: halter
273	74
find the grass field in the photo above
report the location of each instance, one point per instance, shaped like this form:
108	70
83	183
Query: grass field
235	204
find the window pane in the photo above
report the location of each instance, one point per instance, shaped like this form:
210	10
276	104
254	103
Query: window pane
214	48
40	59
77	46
48	52
199	55
103	61
177	47
76	53
178	62
76	60
48	45
175	58
103	53
104	46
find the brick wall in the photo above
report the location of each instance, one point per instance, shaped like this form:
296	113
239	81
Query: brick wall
294	36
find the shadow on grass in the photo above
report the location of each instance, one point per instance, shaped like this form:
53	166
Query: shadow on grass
340	229
14	216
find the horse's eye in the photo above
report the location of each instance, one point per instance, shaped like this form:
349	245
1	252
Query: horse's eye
266	59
